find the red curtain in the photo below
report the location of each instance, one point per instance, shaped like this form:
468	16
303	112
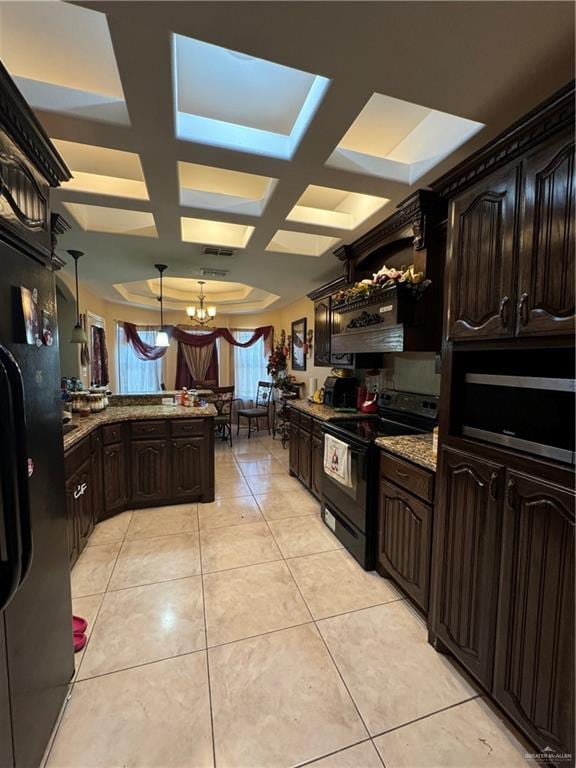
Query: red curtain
184	377
99	357
148	352
142	350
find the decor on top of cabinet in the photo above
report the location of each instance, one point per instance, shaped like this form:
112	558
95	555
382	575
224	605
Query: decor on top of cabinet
406	278
298	345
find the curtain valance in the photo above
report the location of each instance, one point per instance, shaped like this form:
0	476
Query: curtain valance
148	352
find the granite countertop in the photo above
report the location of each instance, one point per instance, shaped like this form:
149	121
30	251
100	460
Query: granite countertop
321	411
112	415
415	448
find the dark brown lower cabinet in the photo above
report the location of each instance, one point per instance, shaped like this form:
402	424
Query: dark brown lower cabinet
405	533
317	465
79	499
534	668
466	556
188	466
149	470
114	471
305	456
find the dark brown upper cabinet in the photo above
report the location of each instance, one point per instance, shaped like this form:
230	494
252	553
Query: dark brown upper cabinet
466	556
322	332
511	235
545	302
534	668
481	282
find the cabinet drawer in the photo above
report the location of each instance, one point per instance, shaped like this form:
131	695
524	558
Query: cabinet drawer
112	433
95	440
413	479
294	417
148	429
317	428
185	427
306	422
77	456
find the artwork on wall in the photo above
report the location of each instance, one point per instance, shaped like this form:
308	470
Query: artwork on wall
298	345
29	301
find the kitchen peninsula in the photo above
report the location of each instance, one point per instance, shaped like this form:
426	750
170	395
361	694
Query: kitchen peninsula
135	456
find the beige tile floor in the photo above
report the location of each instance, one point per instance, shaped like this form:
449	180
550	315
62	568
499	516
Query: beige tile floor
240	634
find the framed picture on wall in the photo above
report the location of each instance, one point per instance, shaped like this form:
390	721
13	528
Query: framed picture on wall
298	342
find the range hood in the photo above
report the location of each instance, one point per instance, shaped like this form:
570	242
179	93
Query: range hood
390	321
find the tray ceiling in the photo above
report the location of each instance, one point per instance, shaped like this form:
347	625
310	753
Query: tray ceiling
281	130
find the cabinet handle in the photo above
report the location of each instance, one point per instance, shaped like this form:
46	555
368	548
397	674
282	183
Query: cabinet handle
523	309
504	315
401	474
511	493
493	486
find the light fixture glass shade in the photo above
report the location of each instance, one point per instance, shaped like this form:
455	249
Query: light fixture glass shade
162	339
211	311
78	335
190	311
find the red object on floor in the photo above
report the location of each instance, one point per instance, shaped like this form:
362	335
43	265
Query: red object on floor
79	624
79	641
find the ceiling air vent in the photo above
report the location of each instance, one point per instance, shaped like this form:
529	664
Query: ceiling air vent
209	272
210	250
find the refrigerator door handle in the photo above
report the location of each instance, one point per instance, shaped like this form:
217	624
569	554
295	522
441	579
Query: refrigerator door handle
19	416
11	561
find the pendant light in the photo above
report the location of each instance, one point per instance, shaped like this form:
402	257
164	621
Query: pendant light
162	339
201	314
78	333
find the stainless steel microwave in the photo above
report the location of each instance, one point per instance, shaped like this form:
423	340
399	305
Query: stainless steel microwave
528	413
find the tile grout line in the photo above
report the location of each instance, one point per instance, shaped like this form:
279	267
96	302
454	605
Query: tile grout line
208	680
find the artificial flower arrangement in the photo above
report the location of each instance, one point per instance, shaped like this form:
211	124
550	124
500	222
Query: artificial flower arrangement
406	278
277	367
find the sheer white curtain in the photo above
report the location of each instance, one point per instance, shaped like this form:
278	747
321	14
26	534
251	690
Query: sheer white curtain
135	375
249	365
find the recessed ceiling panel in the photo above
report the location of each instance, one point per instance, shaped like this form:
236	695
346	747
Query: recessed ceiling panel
118	221
335	208
215	232
300	243
103	171
62	59
400	141
229	99
219	189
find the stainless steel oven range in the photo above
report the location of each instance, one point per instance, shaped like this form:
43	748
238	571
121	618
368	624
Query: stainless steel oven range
351	512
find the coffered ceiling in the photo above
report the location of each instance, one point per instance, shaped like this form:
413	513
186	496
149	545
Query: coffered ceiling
279	130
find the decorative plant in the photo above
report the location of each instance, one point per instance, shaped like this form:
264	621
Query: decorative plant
278	368
405	278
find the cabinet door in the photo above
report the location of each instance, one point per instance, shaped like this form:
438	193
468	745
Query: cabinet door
534	672
405	538
305	457
338	358
149	464
83	503
189	470
293	446
115	481
465	560
546	285
97	480
322	332
71	520
481	259
317	465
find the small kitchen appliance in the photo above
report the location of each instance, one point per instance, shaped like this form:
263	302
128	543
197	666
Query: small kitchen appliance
340	392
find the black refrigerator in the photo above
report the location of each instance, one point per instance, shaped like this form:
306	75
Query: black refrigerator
36	656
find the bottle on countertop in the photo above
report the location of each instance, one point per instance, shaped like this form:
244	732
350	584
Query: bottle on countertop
185	398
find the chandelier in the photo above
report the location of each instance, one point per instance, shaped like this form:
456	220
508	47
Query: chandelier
201	314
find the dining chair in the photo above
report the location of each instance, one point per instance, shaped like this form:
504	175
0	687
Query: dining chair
261	409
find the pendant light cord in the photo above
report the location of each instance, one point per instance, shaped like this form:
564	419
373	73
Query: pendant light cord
77	292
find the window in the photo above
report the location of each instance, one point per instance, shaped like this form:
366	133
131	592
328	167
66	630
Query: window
249	366
135	375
